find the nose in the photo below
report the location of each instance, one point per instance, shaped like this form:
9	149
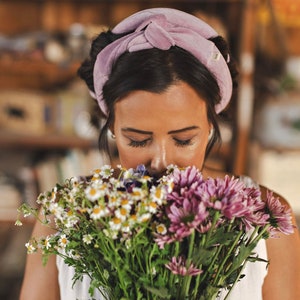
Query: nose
159	160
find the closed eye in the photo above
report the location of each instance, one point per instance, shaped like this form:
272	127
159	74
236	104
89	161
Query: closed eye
183	143
136	144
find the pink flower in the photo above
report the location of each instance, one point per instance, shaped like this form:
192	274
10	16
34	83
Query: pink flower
256	214
186	180
225	195
186	177
280	215
186	217
162	240
180	267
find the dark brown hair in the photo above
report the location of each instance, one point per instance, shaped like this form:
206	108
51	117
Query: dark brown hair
154	70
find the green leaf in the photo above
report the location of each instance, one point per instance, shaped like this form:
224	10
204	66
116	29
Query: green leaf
244	252
162	293
220	237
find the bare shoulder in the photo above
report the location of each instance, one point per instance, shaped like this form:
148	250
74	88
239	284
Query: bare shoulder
35	271
282	281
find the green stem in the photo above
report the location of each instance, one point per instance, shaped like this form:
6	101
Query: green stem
236	280
212	227
216	280
219	249
188	278
253	234
117	266
259	236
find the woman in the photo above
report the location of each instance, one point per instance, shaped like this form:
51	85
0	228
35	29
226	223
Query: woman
161	77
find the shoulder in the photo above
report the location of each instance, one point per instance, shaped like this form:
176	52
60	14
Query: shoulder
282	281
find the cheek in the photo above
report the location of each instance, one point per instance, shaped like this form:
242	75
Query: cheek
191	157
130	157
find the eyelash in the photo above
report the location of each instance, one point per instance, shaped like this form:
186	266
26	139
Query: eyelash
137	144
141	144
183	143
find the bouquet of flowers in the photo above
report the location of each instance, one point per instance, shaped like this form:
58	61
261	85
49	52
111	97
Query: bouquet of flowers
181	236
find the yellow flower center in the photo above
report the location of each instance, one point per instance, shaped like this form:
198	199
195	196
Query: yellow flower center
96	210
123	211
153	204
124	202
158	193
136	194
116	220
133	217
92	191
161	228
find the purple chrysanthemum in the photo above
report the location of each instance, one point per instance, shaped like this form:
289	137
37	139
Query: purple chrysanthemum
280	215
185	218
225	195
162	240
256	214
180	267
185	180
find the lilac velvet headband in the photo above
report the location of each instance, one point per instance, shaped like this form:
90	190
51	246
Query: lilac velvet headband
162	28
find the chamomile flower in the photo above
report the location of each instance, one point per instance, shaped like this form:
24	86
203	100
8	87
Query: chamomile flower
151	206
132	219
63	241
87	239
114	200
30	248
138	193
115	224
161	229
56	210
158	194
92	193
46	243
106	171
126	203
98	211
70	220
122	213
126	227
144	217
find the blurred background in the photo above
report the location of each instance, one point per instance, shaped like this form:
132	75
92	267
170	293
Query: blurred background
48	130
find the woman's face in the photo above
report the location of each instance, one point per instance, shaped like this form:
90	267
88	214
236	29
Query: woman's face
157	130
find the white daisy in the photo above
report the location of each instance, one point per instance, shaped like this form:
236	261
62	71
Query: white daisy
98	212
92	193
63	241
122	213
30	248
87	239
115	224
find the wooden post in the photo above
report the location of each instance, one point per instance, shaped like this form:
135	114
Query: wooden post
245	100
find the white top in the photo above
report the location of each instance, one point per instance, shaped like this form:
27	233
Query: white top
249	288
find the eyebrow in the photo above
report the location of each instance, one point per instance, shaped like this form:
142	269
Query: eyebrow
183	129
129	129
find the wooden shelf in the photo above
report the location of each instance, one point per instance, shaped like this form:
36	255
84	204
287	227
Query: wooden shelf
47	141
30	74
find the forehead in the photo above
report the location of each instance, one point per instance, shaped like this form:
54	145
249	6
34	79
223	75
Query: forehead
179	102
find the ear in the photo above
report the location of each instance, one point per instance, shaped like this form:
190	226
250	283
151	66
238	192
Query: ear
111	132
211	132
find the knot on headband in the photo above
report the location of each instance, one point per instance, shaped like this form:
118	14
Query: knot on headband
154	34
163	28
